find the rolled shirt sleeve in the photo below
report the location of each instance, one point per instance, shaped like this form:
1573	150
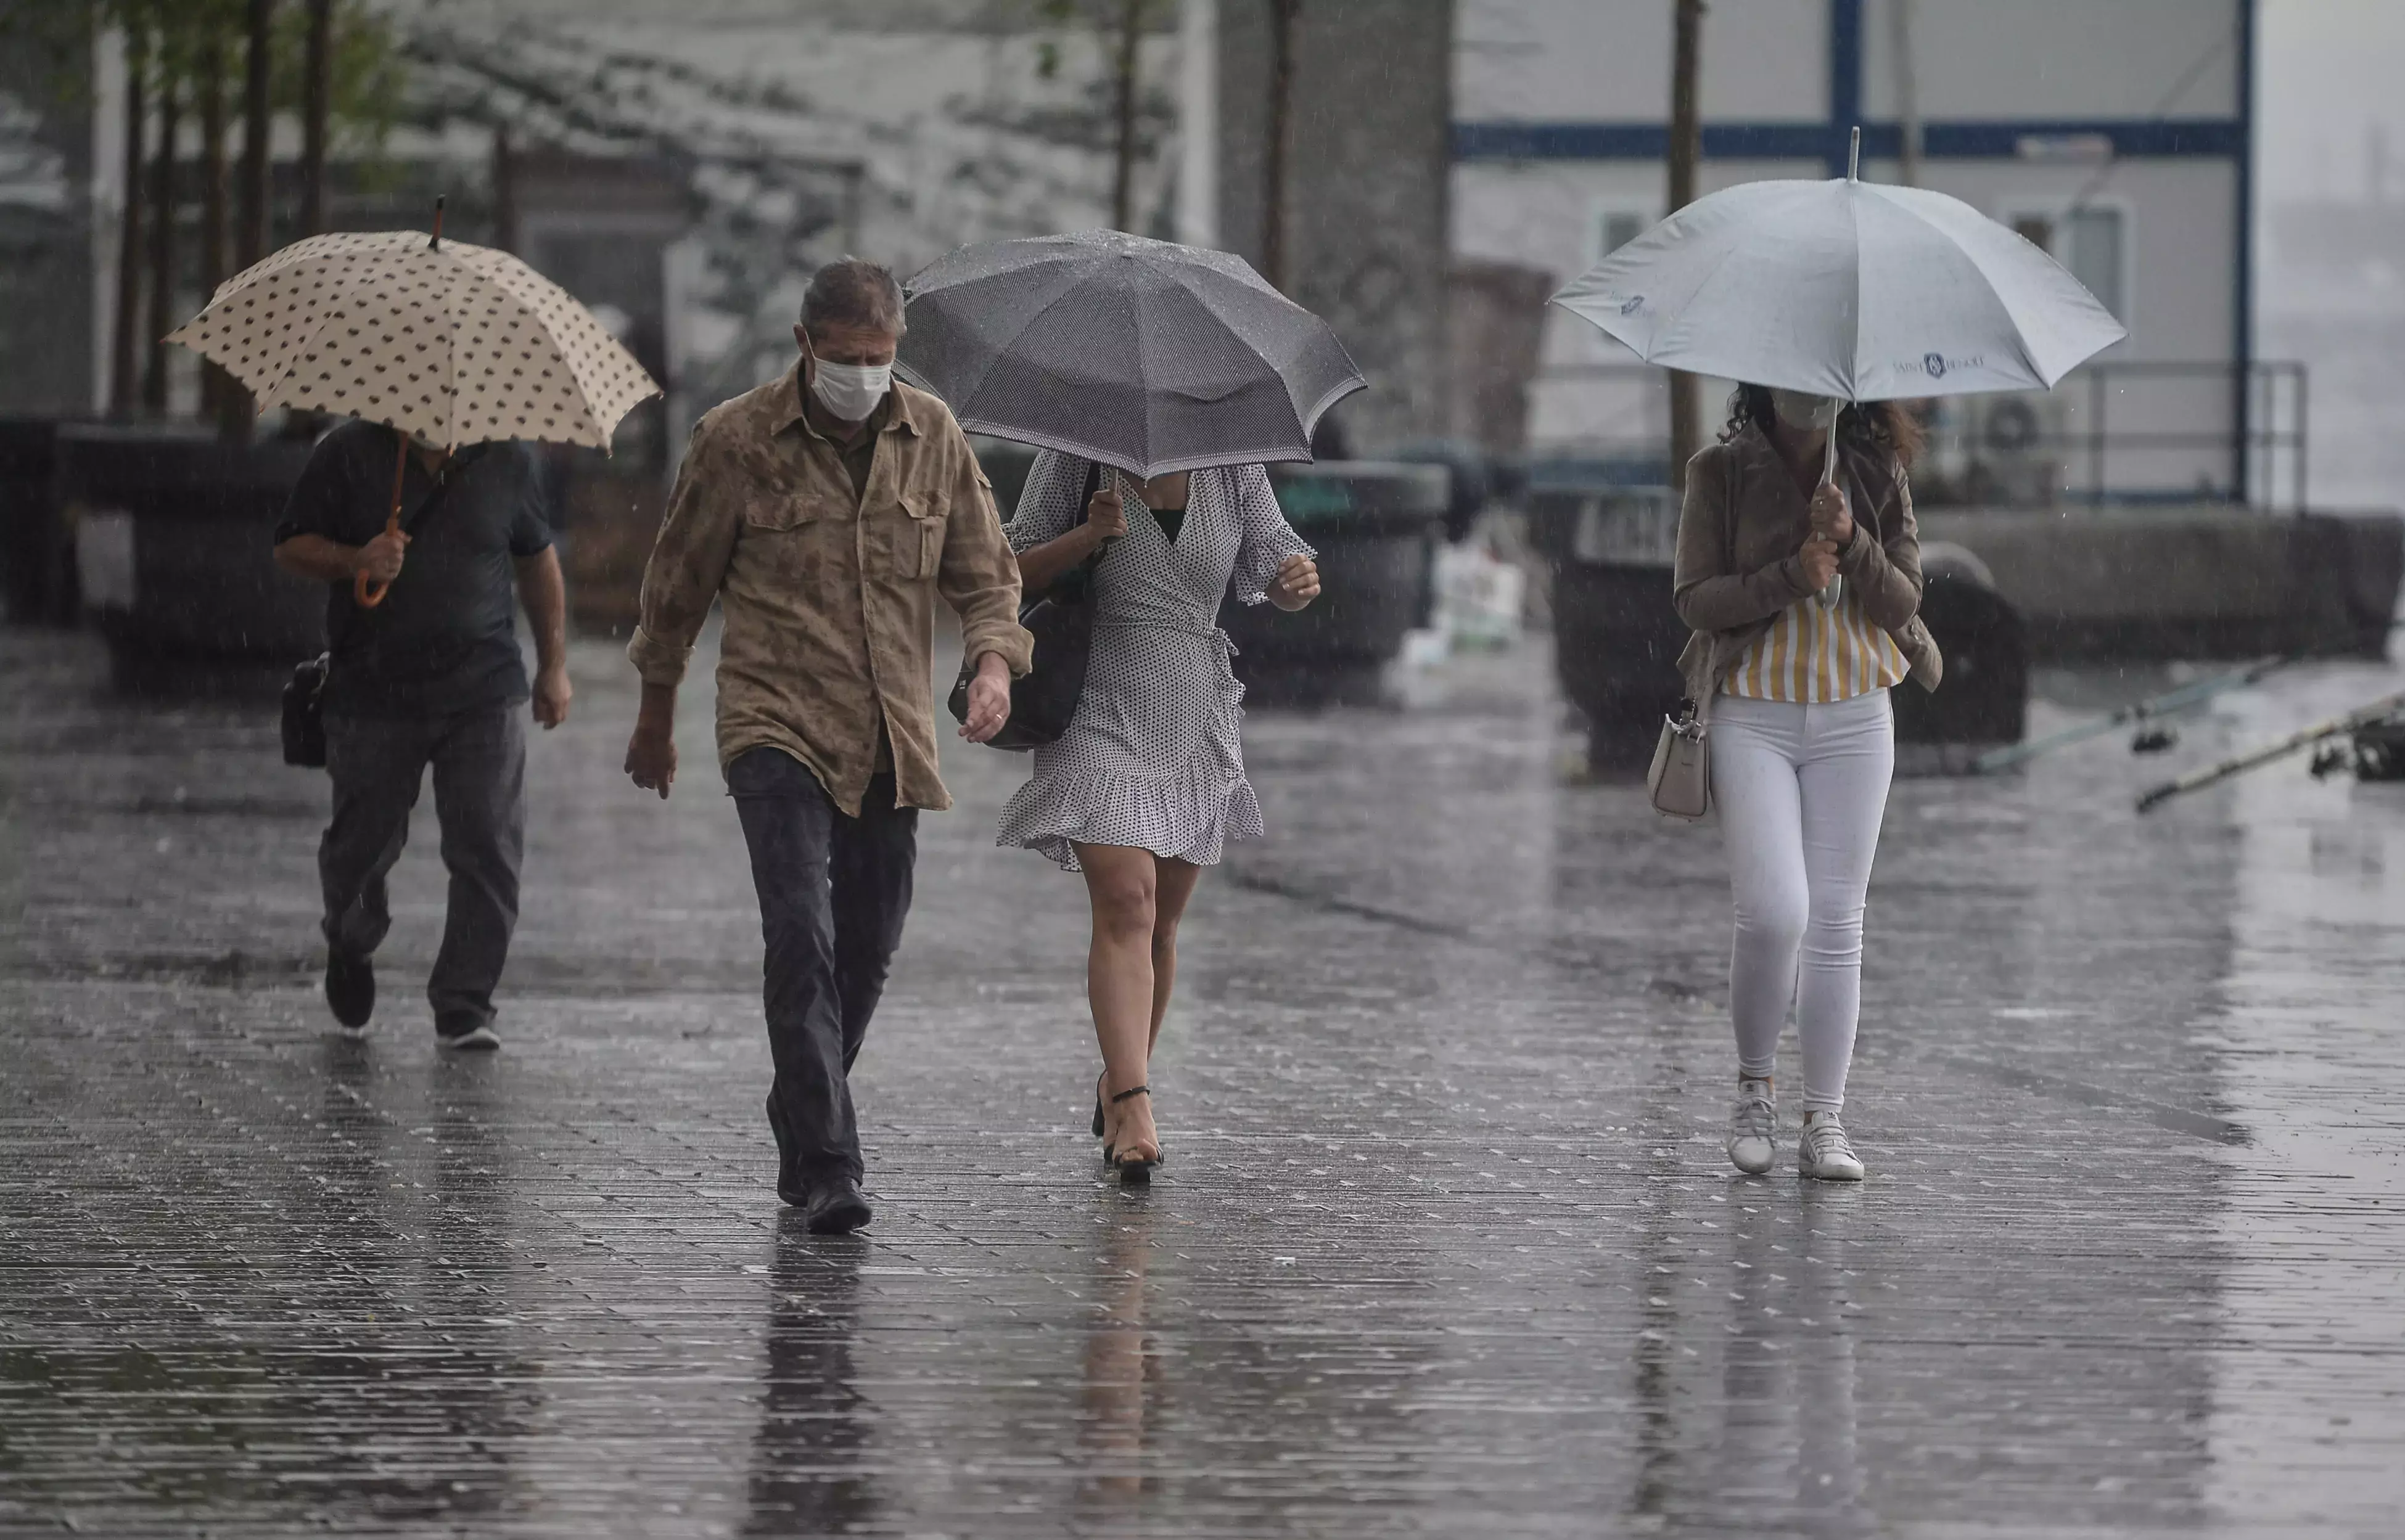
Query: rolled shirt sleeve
979	576
688	562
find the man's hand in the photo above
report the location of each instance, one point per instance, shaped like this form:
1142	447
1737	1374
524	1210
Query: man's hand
652	758
1820	559
989	700
1831	518
1105	518
379	560
551	694
1297	584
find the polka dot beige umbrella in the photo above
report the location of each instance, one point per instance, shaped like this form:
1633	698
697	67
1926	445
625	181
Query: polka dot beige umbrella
456	344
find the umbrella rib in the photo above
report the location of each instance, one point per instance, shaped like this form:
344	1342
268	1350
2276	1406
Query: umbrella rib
1181	277
994	355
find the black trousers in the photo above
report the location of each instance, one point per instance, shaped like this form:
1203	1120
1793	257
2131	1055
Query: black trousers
834	893
378	766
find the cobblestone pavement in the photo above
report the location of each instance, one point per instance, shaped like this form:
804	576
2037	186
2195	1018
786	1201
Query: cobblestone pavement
1446	1244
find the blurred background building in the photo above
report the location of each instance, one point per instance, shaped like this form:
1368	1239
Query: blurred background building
1423	172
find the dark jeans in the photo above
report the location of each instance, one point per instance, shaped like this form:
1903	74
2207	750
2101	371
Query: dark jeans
834	893
376	765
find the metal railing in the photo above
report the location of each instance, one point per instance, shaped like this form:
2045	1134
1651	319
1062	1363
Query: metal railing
2112	432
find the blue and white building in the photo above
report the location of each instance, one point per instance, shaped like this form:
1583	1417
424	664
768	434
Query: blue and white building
2117	135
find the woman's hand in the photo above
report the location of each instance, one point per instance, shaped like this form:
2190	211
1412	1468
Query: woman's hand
1105	516
1833	519
1820	559
1297	583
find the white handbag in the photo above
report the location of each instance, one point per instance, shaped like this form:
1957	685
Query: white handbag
1681	778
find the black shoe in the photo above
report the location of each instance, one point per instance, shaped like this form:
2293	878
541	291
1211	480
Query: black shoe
1132	1167
350	989
835	1207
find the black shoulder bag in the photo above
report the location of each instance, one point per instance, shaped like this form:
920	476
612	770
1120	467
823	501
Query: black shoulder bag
1062	620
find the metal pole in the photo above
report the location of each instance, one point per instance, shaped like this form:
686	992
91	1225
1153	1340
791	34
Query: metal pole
2096	395
1273	252
1123	159
1907	97
1686	150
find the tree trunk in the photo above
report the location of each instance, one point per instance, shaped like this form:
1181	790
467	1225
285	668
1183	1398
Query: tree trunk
1123	164
213	197
1273	241
123	356
505	191
162	251
1908	92
235	414
250	237
317	87
1686	149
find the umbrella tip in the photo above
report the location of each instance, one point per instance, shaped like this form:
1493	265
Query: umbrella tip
1854	156
436	244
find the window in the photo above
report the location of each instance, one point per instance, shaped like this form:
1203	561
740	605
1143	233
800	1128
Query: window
1616	225
2093	242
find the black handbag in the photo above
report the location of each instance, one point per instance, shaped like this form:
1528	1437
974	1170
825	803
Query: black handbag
1044	700
305	713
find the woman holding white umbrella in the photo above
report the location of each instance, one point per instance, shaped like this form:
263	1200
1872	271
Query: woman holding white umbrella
1803	739
1803	589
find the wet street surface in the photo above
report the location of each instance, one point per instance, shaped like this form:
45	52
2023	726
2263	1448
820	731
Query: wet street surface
1445	1245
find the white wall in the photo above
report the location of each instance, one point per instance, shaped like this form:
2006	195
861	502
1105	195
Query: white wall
2055	58
1586	60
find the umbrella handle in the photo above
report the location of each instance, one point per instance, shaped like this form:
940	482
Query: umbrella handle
365	592
1828	596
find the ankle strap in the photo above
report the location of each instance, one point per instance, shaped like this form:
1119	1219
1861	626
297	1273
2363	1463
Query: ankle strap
1138	1090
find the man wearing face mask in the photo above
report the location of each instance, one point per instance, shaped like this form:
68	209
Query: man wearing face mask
429	676
825	511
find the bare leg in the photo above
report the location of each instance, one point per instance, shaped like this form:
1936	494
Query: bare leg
1174	886
1122	882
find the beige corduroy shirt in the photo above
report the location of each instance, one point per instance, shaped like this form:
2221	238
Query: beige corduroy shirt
829	597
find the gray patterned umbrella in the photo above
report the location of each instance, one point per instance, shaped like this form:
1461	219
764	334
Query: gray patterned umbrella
1143	355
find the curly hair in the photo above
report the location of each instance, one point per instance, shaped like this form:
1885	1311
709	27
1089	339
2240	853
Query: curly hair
1879	428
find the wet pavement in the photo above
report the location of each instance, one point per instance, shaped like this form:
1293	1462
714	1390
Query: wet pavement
1446	1242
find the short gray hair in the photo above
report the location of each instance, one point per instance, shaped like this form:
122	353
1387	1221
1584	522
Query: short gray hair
855	293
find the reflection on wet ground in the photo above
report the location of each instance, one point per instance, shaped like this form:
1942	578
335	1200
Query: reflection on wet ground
1446	1242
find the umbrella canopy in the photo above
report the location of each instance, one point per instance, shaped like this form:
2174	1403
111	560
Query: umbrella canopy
457	344
1844	288
1140	353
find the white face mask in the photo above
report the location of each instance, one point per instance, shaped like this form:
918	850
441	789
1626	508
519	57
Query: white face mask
1801	409
850	391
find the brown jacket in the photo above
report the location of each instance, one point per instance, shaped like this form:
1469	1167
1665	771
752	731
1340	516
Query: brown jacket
829	597
1739	530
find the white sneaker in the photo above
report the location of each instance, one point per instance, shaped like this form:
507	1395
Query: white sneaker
1753	1126
1823	1150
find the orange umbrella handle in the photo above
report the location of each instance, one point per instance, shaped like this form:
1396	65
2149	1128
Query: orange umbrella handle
365	592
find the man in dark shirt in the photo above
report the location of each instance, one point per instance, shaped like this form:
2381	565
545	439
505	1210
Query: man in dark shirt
429	676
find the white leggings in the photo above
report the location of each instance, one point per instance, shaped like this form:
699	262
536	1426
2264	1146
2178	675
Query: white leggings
1800	790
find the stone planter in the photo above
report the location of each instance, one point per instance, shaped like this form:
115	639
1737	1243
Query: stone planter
172	549
1375	524
37	548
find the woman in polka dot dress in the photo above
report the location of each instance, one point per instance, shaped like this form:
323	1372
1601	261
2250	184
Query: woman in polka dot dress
1148	781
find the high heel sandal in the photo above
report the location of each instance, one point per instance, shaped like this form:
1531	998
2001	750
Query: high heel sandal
1133	1169
1098	1104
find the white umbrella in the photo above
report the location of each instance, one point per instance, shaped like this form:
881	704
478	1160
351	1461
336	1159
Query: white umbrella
1846	288
1849	289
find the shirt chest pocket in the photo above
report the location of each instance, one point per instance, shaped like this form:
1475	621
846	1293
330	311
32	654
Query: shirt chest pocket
919	534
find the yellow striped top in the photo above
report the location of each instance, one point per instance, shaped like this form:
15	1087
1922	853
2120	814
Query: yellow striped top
1813	656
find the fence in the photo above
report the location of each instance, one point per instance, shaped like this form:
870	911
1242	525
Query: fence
2113	432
